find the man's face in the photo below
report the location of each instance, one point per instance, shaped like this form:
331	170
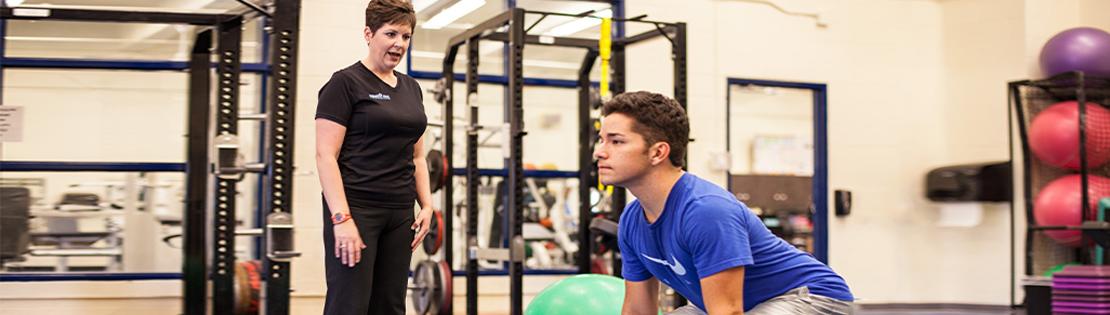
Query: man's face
622	155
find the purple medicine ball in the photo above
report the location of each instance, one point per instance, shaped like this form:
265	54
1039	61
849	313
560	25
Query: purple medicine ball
1084	49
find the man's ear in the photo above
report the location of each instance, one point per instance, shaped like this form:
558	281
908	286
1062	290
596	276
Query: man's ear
660	153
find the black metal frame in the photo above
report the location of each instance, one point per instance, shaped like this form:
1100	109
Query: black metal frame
676	34
1027	160
279	141
195	293
283	97
227	123
516	37
1071	82
585	159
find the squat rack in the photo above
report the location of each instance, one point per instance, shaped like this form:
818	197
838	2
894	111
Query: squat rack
275	168
516	37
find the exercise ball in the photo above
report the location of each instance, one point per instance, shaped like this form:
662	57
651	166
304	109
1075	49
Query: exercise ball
1084	49
582	294
1054	135
1058	268
1061	202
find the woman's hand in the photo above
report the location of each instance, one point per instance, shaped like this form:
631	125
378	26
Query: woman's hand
348	243
420	225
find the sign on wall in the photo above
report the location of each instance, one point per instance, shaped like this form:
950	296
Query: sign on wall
782	155
11	123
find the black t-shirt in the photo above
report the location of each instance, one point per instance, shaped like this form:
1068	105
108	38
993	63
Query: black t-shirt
383	123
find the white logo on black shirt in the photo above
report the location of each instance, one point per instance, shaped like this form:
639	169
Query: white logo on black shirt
380	97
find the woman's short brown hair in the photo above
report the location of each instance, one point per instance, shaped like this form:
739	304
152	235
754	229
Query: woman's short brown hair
381	12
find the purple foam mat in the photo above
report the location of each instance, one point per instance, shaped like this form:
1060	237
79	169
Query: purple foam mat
1056	291
1069	310
1059	279
1080	298
1085	271
1081	286
1092	305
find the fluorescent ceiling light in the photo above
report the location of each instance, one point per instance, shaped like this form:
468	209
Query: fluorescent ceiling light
14	3
420	5
579	24
452	13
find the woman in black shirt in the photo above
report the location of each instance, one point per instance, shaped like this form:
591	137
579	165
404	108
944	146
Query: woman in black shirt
370	156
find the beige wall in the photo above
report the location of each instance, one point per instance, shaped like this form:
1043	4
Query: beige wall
1093	13
981	53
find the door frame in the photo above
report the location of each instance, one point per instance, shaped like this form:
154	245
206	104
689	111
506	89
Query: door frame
820	153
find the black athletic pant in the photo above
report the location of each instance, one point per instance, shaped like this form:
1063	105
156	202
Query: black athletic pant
378	283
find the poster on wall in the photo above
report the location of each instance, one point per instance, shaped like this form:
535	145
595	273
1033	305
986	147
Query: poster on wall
11	123
782	155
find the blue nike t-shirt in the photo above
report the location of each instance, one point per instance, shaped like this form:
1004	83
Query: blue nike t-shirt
704	230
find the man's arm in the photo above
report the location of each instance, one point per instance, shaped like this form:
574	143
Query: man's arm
641	297
722	292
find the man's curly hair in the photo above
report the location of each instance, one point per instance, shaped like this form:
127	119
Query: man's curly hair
657	118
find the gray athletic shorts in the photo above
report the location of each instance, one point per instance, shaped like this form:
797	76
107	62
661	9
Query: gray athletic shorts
793	302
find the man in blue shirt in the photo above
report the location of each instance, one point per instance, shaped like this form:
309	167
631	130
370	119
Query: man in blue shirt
693	235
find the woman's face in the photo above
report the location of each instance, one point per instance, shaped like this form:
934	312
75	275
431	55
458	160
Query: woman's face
388	44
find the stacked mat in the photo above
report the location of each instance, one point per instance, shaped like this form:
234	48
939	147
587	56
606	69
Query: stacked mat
1081	290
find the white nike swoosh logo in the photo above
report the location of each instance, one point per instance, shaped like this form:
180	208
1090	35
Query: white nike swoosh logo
676	267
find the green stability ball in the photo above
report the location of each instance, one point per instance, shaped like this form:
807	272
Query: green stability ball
591	294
